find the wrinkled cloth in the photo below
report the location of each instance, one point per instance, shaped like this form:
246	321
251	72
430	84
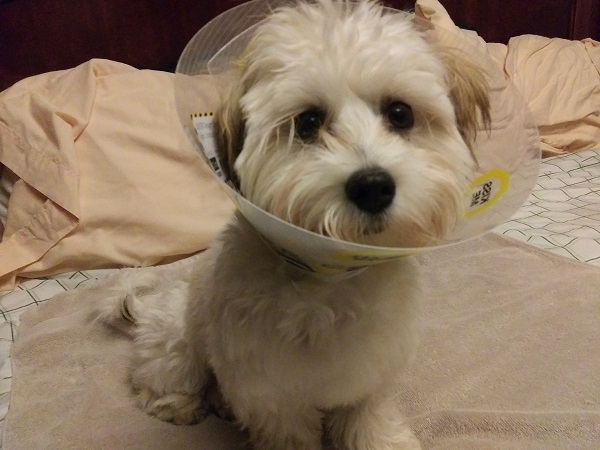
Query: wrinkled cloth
559	79
106	175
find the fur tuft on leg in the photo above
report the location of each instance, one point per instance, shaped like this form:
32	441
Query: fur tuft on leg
122	295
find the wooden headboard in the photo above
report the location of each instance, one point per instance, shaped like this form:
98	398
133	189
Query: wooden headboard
38	36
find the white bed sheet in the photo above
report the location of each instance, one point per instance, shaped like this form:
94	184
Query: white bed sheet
562	215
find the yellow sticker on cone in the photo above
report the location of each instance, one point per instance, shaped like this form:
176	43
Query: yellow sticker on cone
487	190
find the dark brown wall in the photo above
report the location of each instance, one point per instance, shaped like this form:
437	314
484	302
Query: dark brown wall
42	35
499	20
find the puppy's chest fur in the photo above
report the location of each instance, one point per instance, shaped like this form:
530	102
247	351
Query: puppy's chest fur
265	324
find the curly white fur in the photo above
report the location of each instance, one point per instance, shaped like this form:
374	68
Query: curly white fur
348	62
294	355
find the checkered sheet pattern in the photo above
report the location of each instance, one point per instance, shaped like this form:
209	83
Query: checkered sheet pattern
562	215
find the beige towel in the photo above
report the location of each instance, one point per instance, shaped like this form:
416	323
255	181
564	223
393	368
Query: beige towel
510	360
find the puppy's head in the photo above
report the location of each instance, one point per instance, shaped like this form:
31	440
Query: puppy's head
343	120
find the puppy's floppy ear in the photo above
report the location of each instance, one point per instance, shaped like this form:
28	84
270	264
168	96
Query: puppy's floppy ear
229	124
469	92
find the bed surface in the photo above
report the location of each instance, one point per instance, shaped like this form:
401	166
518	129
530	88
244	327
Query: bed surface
494	371
27	295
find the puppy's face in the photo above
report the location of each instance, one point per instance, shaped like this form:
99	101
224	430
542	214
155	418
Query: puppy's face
346	122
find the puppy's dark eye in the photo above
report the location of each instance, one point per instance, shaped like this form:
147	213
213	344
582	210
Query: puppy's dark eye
399	115
308	123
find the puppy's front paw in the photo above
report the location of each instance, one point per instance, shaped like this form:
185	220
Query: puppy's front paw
179	408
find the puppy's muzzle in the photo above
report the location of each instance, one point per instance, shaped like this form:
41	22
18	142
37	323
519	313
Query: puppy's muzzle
371	190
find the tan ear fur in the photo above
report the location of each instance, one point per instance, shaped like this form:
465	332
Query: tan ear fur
469	92
229	124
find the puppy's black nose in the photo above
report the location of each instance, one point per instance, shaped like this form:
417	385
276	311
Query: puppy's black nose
372	190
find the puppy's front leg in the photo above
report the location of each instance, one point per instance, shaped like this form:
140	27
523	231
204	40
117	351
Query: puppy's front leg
169	367
372	424
287	428
169	382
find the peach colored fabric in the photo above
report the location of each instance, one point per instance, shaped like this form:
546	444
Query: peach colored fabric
559	79
106	174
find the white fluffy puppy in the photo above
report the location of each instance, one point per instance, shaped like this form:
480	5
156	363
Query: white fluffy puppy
345	121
